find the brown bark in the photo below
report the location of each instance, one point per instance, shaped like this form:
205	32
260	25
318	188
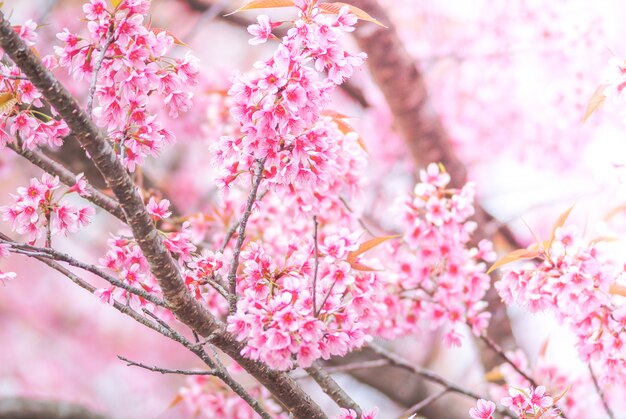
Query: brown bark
178	298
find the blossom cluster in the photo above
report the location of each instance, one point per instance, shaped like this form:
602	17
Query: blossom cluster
438	277
525	403
207	397
21	105
38	211
134	73
200	271
293	311
280	109
575	283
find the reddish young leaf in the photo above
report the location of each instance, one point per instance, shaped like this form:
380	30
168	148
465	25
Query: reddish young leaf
177	40
519	254
364	247
596	100
559	223
334	8
617	289
263	4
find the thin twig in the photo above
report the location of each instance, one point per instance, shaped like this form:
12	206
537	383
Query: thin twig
423	403
377	363
97	65
164	370
319	309
331	388
498	350
12	77
232	274
396	360
316	267
601	394
229	235
48	253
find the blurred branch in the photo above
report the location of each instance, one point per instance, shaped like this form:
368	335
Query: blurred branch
331	388
404	88
27	408
601	394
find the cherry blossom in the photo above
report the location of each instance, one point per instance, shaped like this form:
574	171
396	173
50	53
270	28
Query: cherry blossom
484	410
37	210
134	71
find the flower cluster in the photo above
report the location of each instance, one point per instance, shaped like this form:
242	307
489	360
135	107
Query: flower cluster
21	106
439	279
207	397
134	73
575	283
525	403
200	275
296	312
279	108
126	259
36	210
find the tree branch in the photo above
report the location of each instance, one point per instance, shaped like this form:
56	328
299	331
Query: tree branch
48	253
177	296
600	392
332	389
165	370
27	408
241	236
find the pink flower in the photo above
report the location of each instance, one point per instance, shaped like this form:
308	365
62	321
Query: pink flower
484	410
158	210
261	31
6	277
95	10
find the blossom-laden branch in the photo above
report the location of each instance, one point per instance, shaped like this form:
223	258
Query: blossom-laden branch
69	178
177	296
243	222
48	253
331	388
